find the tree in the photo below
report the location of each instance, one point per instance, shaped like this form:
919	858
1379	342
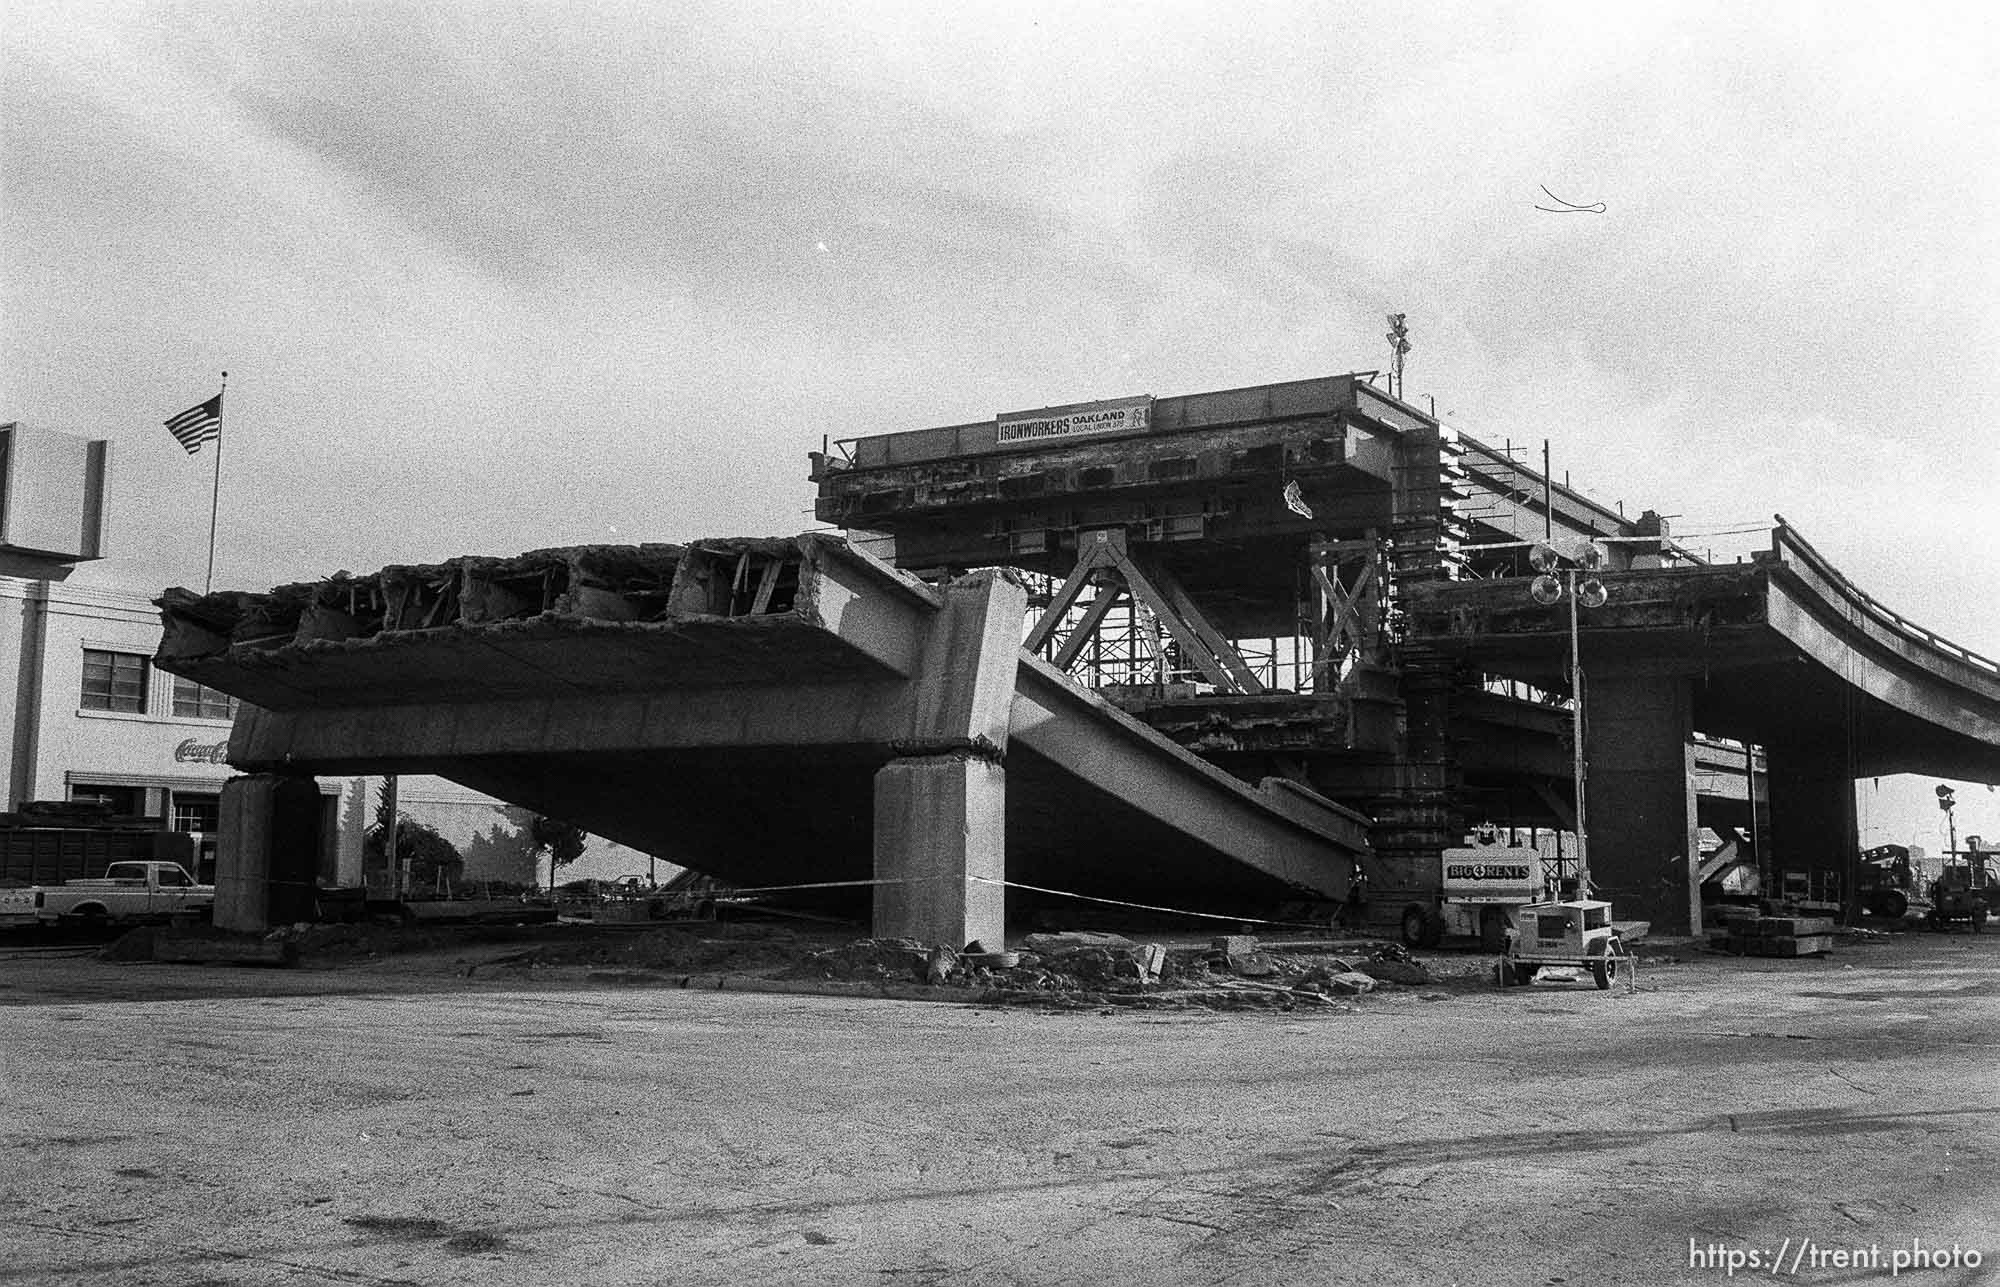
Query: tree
434	862
562	841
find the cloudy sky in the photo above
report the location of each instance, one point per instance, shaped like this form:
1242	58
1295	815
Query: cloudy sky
489	277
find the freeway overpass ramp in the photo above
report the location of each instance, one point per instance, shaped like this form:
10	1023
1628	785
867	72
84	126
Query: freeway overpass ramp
771	711
1783	652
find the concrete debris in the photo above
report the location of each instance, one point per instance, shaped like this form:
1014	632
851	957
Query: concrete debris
1334	979
870	959
939	965
1070	940
1253	965
1099	964
1409	973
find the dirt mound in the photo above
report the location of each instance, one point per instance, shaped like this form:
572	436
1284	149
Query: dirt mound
871	960
692	949
136	946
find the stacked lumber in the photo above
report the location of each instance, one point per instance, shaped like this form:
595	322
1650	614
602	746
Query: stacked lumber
1749	934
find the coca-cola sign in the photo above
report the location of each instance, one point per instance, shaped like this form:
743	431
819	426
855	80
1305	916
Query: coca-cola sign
194	752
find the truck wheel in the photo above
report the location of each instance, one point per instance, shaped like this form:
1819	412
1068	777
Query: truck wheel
1492	930
1603	967
1415	923
1893	904
1524	974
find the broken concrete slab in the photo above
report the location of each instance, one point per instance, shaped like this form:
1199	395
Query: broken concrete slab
1253	965
1406	972
1071	940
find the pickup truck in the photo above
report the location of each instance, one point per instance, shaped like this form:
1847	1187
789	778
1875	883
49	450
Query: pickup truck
128	891
20	905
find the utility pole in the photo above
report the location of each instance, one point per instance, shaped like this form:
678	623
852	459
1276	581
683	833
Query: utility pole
389	804
1548	496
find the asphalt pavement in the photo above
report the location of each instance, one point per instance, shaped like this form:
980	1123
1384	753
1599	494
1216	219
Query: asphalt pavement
398	1121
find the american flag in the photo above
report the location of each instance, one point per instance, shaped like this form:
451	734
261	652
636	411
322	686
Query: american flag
198	425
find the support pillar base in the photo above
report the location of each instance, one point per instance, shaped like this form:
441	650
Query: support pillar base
940	822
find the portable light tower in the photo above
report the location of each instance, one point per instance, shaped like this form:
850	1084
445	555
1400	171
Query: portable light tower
1558	580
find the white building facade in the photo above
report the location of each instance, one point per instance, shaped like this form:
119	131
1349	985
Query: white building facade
93	720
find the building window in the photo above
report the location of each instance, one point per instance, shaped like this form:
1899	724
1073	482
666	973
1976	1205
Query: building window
114	681
201	701
196	812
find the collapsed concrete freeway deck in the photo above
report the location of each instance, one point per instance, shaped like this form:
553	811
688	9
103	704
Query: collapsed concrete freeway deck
770	711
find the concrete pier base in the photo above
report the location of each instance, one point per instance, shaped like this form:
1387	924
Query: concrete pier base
1640	798
267	852
1813	824
940	821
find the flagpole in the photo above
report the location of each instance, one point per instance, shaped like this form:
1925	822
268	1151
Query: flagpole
215	495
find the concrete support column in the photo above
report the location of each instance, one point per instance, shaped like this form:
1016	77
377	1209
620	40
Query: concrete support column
941	804
1640	799
267	851
1813	825
940	821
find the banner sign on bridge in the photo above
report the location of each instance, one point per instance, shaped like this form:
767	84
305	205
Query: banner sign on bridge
1119	415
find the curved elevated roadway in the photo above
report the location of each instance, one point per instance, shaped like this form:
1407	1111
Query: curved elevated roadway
1783	651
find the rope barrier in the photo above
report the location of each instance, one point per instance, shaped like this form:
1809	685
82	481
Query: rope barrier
721	895
1152	907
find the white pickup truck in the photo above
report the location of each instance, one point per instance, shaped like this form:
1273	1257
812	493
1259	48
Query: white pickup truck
20	905
128	891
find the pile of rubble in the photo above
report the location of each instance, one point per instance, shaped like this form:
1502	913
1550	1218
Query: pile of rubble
1073	969
1094	967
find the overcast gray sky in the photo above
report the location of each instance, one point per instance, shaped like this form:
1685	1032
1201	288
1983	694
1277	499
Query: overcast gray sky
490	277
